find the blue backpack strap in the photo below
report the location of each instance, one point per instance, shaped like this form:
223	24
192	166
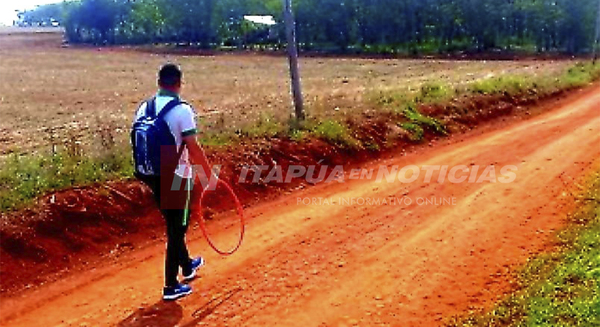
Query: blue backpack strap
151	108
161	115
170	106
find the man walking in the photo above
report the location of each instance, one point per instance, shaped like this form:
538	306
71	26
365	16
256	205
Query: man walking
164	146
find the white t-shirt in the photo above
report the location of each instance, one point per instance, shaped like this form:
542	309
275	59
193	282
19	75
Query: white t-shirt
182	122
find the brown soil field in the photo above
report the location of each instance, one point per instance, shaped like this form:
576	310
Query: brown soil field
48	91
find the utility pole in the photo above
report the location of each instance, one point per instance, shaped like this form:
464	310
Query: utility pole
597	39
290	29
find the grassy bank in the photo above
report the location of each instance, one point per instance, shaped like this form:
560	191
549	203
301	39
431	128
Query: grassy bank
561	288
402	108
23	178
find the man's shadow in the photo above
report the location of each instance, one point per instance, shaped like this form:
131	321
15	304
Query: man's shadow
169	314
160	314
205	310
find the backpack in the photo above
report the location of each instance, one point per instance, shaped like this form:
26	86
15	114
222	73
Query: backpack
155	151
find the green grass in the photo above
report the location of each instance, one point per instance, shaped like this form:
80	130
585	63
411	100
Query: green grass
416	131
434	92
266	127
561	288
405	104
217	140
413	115
24	178
298	135
391	99
580	75
513	85
334	132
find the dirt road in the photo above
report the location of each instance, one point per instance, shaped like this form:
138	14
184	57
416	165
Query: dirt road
336	264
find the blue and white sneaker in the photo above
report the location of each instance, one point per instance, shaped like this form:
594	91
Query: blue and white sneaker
176	292
196	264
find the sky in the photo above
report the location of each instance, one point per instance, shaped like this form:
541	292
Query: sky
8	7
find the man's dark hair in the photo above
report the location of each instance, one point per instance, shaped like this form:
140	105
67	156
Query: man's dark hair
169	75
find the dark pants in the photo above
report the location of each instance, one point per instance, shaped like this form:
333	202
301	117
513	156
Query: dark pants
174	206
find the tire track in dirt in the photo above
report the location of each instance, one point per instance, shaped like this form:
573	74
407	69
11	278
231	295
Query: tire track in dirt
356	265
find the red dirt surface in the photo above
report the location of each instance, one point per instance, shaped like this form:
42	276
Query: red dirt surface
72	229
344	265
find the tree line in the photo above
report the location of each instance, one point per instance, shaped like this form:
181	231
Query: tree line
377	26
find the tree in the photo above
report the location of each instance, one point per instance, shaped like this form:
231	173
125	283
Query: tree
413	26
42	15
146	22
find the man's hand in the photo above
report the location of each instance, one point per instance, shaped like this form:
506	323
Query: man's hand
198	158
197	155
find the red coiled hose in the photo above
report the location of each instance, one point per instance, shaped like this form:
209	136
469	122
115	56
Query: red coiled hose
240	211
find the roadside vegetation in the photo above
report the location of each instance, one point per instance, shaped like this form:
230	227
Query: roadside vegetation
560	288
23	178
